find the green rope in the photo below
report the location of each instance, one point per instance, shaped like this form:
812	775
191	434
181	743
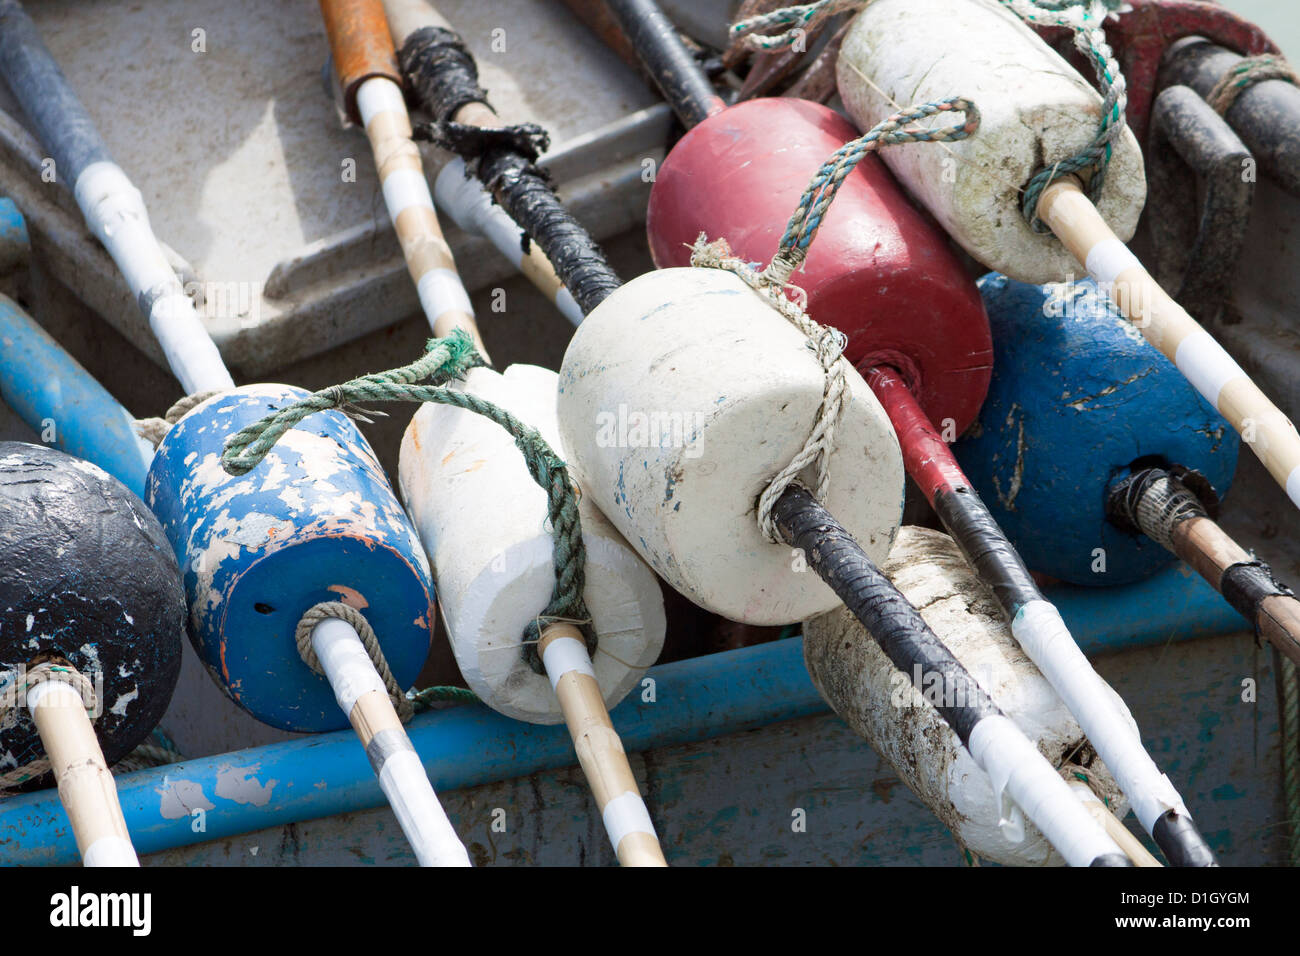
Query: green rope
800	20
819	195
422	700
446	359
1084	19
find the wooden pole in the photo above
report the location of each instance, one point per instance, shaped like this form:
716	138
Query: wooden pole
86	787
366	65
1115	829
360	691
1211	552
600	751
1166	325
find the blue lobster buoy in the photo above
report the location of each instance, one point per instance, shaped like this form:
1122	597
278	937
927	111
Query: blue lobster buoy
316	521
1078	401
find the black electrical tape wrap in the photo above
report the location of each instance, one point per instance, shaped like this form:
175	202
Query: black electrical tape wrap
440	69
886	614
1245	586
986	548
504	160
1181	842
1154	501
1111	859
527	140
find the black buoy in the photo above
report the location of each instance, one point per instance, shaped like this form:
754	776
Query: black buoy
90	595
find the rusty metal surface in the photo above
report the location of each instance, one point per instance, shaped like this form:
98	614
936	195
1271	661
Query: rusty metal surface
360	45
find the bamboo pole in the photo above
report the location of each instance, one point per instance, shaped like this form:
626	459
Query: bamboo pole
361	693
463	197
1114	828
366	65
86	787
599	749
1166	325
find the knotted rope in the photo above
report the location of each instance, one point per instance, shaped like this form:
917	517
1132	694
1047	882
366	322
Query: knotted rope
350	615
1084	19
773	281
1251	70
446	359
16	697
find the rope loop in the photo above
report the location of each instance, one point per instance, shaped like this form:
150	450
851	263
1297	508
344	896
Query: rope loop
344	612
892	131
1251	70
1084	19
799	21
16	697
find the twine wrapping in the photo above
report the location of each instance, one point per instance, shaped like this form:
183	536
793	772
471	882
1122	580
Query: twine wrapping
773	281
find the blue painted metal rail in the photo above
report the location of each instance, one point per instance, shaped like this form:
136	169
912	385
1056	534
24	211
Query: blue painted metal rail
695	700
48	389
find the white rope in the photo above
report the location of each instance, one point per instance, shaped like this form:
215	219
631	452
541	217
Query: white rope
828	343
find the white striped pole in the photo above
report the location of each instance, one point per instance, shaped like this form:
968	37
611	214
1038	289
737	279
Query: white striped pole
1166	325
360	691
410	207
116	214
599	749
113	208
462	196
86	788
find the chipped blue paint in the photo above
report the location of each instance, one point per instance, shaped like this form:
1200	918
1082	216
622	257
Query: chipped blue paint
698	699
1077	396
50	392
315	521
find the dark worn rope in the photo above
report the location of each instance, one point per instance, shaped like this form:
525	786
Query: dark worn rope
446	359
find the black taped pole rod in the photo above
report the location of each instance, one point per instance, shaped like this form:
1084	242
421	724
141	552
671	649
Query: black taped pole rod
443	78
666	58
996	743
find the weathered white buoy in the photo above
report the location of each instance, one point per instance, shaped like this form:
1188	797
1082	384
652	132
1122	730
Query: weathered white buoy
1034	107
902	724
484	522
681	396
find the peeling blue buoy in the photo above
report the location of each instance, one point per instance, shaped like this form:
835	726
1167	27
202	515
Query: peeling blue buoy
1078	400
315	521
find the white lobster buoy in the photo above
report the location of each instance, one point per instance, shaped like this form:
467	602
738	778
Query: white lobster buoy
879	701
483	521
681	396
1035	109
